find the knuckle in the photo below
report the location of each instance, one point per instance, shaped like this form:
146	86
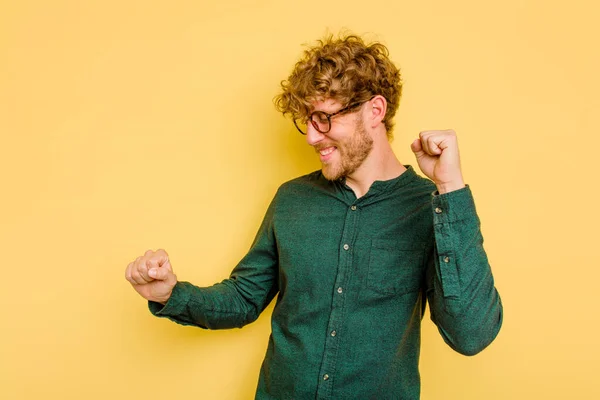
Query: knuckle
148	253
139	278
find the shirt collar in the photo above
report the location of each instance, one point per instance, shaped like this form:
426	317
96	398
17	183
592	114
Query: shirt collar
384	186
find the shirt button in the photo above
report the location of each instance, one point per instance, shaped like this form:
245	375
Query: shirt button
438	210
325	377
446	259
340	290
346	247
353	208
333	333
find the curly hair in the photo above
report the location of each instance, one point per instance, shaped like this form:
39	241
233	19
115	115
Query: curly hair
344	69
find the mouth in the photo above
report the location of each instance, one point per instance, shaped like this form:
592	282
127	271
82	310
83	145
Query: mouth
326	153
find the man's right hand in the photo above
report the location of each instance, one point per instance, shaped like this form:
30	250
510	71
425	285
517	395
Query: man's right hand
151	275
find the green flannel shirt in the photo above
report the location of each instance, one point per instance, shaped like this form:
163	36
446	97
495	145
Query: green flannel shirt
352	277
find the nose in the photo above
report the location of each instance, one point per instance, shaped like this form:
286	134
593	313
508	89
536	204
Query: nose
313	136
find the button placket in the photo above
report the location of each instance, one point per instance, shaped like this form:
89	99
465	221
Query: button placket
330	357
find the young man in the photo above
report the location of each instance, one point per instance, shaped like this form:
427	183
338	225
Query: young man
352	251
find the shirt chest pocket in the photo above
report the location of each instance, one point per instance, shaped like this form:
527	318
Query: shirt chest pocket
395	267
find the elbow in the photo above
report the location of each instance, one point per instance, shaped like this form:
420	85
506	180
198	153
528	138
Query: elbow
478	337
470	336
470	348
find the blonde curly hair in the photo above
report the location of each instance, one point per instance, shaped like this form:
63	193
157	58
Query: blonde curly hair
344	69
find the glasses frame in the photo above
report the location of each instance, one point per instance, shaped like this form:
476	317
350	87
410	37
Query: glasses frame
328	115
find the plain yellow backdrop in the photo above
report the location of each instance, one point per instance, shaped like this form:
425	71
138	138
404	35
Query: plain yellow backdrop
134	125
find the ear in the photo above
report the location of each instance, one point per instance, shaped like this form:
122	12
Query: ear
377	108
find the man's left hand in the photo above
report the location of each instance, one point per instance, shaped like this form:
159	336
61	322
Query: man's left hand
438	157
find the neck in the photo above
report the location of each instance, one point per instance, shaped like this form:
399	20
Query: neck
380	165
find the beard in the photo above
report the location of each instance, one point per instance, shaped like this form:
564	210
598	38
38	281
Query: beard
352	152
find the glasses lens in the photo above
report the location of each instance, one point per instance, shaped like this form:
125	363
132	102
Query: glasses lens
320	121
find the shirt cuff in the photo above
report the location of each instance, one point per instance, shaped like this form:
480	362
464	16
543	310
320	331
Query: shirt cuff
453	206
174	306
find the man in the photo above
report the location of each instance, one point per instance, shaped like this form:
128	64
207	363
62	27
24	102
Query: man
352	251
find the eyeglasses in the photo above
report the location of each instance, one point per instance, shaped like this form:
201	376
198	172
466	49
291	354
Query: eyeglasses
321	120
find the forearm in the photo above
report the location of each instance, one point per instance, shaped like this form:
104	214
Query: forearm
464	303
220	306
236	301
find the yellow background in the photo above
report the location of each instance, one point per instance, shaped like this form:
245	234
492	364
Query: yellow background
135	125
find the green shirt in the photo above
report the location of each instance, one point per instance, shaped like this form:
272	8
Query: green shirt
352	277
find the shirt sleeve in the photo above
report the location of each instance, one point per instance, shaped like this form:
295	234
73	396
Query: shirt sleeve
236	301
463	300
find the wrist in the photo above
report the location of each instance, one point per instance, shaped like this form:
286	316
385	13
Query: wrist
163	299
450	186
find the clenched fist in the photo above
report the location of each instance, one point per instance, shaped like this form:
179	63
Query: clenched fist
438	157
151	275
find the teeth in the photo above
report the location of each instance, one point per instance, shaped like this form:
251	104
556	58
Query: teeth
326	151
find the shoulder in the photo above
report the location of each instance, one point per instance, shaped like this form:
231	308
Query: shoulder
312	188
412	185
307	183
424	185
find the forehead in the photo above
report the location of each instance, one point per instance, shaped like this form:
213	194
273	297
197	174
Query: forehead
327	105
